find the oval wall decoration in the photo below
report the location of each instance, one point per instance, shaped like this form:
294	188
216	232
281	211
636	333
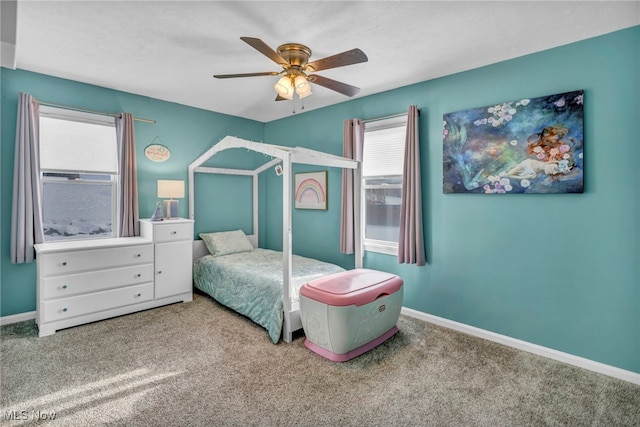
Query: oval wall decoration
157	152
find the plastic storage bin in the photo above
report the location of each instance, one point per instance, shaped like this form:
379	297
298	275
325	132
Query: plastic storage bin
347	314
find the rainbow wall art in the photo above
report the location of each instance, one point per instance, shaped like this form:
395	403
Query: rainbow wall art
311	190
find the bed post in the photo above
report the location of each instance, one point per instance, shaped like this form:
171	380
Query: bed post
287	333
191	193
255	206
357	214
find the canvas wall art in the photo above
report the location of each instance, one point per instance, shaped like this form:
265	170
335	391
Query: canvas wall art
311	190
525	146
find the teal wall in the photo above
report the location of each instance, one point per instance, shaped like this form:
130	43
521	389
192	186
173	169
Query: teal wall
561	271
187	131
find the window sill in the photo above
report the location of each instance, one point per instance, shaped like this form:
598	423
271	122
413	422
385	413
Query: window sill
386	248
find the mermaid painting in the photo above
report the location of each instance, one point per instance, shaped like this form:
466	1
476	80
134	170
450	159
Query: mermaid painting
527	146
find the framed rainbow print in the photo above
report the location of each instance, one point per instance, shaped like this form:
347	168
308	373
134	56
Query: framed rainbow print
311	190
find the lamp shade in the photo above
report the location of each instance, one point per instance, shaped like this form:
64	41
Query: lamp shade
172	189
284	87
303	88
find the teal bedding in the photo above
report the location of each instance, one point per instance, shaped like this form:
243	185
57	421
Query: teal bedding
251	283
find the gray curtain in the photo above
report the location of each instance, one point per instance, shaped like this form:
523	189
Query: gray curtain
26	212
353	137
128	203
411	241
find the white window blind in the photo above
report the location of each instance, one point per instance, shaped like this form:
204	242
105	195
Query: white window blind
383	152
382	167
79	146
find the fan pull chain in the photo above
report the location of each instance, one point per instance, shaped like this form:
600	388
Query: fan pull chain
294	104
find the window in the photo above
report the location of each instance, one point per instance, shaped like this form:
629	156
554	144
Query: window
79	174
382	165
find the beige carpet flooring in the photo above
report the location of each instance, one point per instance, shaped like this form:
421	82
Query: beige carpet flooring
199	364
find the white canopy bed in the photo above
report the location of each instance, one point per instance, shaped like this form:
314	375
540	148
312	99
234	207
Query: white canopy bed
285	156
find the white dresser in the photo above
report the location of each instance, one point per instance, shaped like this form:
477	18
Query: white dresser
173	259
88	280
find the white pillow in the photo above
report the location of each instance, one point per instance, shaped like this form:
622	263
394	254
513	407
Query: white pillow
226	242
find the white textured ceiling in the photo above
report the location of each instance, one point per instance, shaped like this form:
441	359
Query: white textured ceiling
170	49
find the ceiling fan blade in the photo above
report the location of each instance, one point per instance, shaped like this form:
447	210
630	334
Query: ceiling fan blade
343	88
353	56
230	76
264	49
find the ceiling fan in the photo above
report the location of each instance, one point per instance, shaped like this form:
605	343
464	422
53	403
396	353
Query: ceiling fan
297	70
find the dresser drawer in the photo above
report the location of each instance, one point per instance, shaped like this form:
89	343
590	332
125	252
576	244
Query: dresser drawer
79	305
95	259
93	281
167	232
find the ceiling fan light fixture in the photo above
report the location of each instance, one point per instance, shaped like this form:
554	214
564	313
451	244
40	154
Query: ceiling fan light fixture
303	88
294	60
284	87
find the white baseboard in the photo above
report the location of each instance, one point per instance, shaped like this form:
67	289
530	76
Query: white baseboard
15	318
570	359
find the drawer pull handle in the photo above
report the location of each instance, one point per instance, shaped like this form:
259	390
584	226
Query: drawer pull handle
173	233
138	294
64	286
138	255
64	310
159	271
64	263
138	275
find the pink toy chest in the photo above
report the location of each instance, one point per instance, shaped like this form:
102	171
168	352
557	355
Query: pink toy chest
346	314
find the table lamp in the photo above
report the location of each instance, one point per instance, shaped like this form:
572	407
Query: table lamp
171	189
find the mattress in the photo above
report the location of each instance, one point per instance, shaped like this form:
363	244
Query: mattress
250	283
